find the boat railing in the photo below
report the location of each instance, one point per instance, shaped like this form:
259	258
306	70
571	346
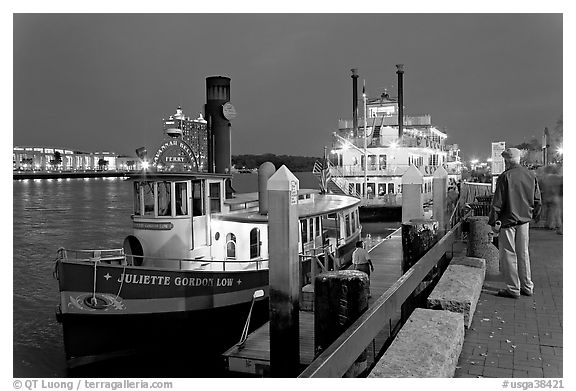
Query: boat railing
99	255
390	170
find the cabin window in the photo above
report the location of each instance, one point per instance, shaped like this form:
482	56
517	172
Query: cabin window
362	162
197	199
350	188
381	189
372	162
214	197
382	161
391	188
230	246
359	188
347	225
318	231
371	190
164	199
254	243
148	190
137	199
304	224
181	199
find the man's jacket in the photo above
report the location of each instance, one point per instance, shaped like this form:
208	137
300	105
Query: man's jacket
517	198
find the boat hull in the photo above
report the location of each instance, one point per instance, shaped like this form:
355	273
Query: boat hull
196	336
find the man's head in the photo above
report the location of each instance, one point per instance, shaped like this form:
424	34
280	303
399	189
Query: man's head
359	244
511	155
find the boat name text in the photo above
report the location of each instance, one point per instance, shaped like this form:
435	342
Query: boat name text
147	279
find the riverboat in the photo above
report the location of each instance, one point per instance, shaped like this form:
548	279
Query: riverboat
189	271
372	151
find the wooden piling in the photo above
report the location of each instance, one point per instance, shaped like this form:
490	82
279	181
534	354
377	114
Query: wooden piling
440	197
418	236
284	274
412	207
341	297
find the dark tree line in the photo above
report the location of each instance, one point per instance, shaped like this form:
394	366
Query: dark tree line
294	163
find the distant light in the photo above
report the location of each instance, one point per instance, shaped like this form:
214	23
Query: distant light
559	150
474	161
333	151
489	160
145	165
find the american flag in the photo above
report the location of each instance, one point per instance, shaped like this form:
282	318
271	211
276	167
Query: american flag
322	170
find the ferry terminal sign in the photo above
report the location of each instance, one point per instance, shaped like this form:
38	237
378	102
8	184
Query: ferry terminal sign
175	151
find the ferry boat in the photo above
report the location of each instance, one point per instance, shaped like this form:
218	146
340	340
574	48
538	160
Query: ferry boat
372	151
198	253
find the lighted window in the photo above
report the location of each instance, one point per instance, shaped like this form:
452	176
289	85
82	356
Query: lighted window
254	243
137	199
164	199
304	224
181	199
148	190
214	197
197	199
231	246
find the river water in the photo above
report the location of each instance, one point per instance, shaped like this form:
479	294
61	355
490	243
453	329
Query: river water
74	213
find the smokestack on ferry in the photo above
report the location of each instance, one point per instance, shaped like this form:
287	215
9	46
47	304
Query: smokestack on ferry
400	73
355	101
218	112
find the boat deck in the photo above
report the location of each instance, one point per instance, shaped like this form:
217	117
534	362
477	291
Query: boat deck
254	356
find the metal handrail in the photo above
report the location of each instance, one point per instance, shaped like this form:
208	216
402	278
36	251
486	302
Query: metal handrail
335	360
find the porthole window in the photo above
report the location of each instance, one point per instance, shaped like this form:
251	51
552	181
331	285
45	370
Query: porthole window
217	236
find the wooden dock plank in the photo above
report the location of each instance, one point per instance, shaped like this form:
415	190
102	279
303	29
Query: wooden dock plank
387	259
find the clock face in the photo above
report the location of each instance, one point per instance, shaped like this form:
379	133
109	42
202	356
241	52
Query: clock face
228	111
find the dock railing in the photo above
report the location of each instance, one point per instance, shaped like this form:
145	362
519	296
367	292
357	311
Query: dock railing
340	355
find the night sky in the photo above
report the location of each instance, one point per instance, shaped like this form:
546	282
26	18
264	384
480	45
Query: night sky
96	82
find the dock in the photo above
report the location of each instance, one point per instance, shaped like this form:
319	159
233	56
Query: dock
254	356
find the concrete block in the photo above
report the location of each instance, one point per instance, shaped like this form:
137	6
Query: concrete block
458	290
428	345
469	261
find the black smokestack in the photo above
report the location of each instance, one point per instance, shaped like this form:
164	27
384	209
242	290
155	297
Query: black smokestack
400	73
219	147
355	101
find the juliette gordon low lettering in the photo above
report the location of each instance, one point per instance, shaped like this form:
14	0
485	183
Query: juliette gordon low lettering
146	279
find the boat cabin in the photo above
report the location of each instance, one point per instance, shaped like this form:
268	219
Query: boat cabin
193	221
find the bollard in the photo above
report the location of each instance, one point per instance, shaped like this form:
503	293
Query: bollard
340	298
284	273
412	207
418	236
480	244
440	197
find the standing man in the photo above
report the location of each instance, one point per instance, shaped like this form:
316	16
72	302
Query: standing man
361	259
516	201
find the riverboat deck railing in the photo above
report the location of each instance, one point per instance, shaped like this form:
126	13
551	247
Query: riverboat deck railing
336	359
117	256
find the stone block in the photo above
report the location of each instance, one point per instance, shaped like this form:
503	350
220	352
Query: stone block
458	290
469	261
428	345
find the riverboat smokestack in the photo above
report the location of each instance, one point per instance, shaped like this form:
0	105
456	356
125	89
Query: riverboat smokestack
354	101
219	145
400	73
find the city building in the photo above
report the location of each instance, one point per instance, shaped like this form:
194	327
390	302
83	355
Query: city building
38	158
187	146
